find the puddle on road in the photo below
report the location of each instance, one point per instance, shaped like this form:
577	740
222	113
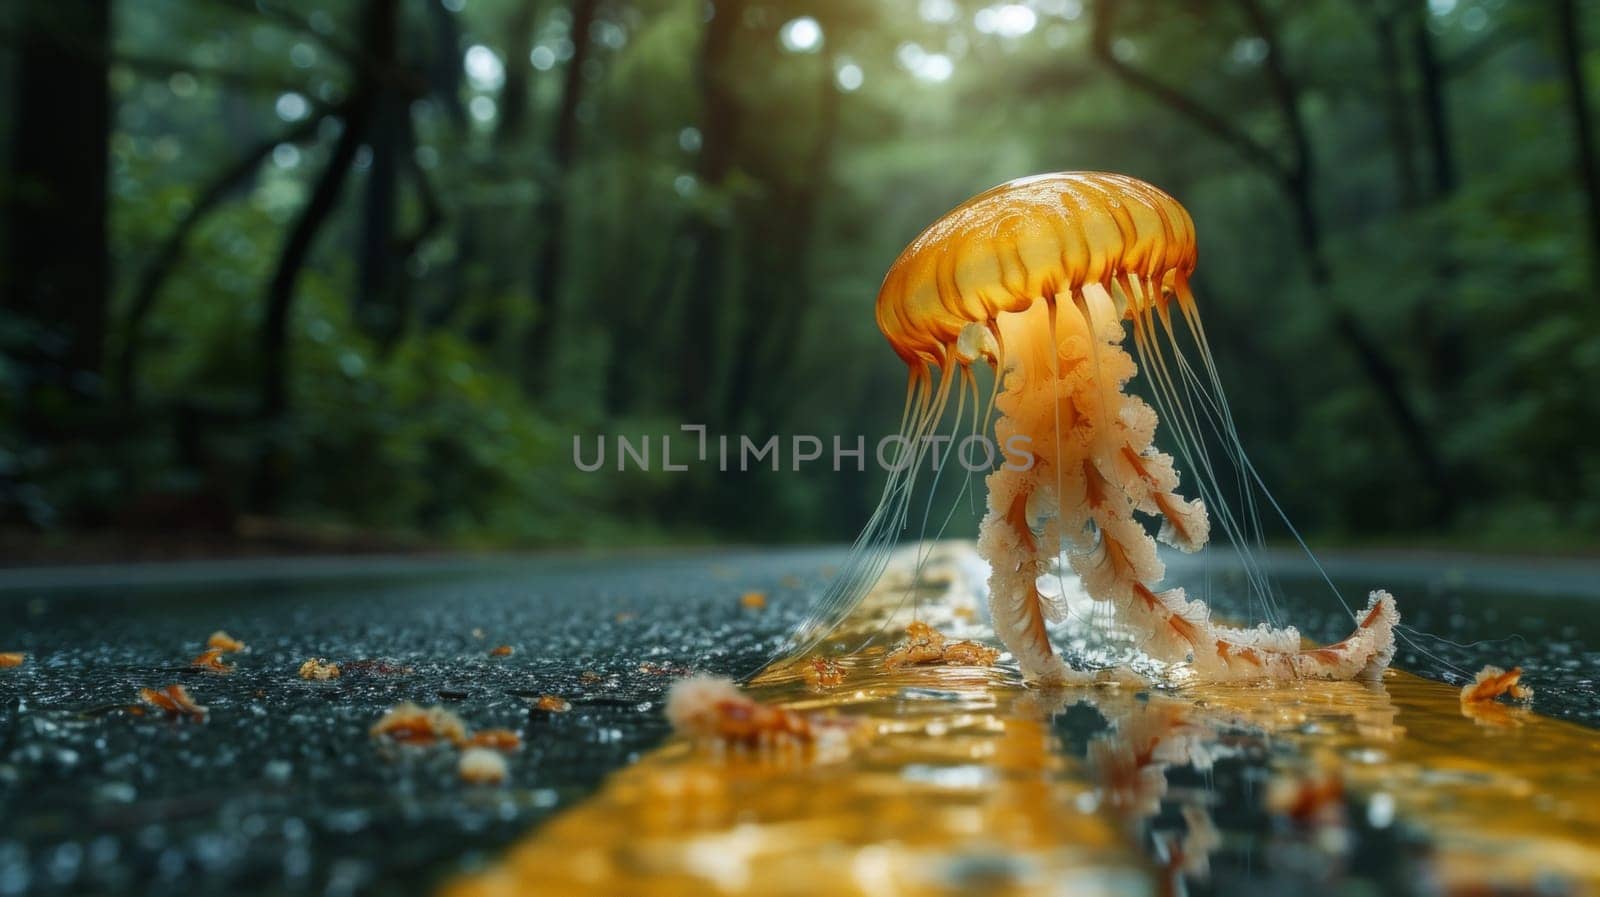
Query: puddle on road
974	784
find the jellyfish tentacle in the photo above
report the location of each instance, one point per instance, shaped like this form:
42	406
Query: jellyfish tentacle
1130	458
1103	470
1123	564
1189	440
1020	614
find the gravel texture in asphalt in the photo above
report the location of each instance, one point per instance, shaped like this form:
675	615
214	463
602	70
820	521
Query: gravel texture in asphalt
281	788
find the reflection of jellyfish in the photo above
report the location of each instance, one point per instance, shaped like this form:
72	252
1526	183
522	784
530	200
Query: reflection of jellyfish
1128	764
1159	753
1035	278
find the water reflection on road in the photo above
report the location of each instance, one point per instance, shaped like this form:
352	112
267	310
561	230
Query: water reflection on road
975	784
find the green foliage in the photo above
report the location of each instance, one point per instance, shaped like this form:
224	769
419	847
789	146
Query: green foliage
736	211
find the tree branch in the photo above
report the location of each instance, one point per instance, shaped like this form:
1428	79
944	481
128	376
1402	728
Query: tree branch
1284	90
432	209
1569	33
157	67
296	249
407	246
548	275
1478	52
1198	114
292	22
1296	181
171	250
274	403
370	66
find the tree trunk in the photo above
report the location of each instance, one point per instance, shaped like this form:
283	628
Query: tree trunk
720	119
1571	43
482	244
1435	110
543	338
1396	108
637	344
377	308
57	274
764	351
515	95
1436	333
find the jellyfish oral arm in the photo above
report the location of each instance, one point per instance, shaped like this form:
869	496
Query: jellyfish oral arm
1020	613
1096	472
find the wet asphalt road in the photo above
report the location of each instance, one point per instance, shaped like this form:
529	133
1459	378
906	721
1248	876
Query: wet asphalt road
282	791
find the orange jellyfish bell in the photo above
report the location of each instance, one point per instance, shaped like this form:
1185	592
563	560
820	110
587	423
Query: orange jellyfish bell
1036	278
1030	239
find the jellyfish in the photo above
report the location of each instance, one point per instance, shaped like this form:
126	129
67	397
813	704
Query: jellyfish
1043	279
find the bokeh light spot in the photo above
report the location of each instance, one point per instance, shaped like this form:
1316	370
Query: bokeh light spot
923	65
935	67
850	76
292	106
937	10
1248	50
484	68
802	35
1008	20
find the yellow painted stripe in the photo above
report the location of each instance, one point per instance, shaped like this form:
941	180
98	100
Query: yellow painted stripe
964	788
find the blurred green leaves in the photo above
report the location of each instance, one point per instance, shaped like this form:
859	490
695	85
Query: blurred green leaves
747	186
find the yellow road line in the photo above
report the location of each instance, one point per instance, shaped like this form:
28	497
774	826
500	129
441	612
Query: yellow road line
964	789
